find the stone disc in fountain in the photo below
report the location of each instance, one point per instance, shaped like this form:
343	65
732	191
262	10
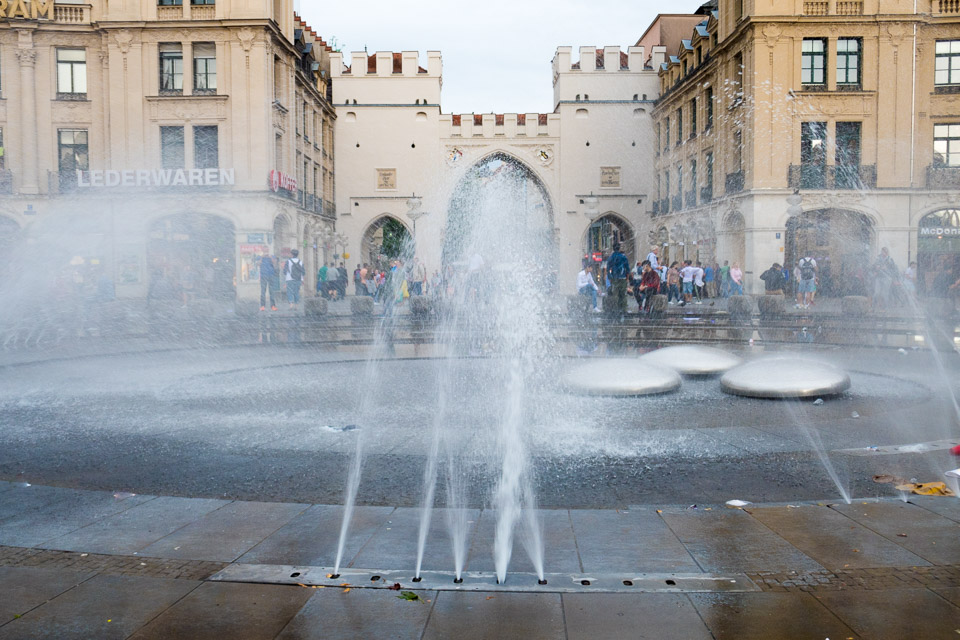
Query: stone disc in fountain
785	377
693	360
620	377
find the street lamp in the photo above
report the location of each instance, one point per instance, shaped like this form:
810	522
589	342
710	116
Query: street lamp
794	200
414	202
591	205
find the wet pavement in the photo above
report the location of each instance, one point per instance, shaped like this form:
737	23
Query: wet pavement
161	567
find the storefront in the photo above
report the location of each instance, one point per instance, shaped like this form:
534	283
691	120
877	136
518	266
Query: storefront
938	251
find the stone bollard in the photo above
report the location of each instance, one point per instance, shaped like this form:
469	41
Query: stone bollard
361	306
771	306
856	306
315	307
658	306
421	306
740	308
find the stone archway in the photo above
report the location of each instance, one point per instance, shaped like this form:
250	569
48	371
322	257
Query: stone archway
732	242
192	250
500	209
385	239
607	229
841	242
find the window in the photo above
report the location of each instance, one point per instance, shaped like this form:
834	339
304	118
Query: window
3	161
679	126
738	78
709	100
196	2
666	191
848	155
170	3
813	61
947	69
171	67
693	118
666	134
72	72
693	175
680	180
204	67
848	62
659	139
73	154
738	150
171	147
708	178
277	80
205	147
813	155
699	56
946	145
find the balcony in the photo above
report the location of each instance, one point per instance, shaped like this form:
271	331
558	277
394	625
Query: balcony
813	176
170	13
734	183
690	199
942	177
706	194
833	8
71	13
946	7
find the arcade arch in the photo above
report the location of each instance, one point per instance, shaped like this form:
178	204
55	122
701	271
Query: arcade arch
604	231
841	242
193	251
938	251
385	239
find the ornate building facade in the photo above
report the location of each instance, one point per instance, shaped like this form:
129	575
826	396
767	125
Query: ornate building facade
141	138
853	104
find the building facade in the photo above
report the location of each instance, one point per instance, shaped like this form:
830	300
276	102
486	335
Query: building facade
142	140
855	104
588	162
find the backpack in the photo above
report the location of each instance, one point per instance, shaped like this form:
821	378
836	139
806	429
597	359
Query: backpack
807	271
295	269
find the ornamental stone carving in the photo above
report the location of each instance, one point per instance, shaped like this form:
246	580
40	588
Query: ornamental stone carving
27	57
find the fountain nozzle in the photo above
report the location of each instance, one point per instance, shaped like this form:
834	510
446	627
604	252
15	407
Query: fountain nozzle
541	581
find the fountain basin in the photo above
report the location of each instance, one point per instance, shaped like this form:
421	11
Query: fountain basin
785	377
692	360
621	377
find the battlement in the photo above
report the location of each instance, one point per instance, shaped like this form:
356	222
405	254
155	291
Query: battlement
605	60
491	125
386	64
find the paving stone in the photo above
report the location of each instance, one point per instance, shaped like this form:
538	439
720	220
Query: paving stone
64	516
20	500
894	614
4	485
637	540
730	540
942	506
103	607
23	588
641	616
134	529
559	544
394	546
833	540
225	534
762	616
952	594
311	538
474	615
228	610
932	537
332	614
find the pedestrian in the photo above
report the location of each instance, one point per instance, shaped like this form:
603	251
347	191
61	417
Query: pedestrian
419	278
618	268
687	274
773	280
725	279
293	274
673	284
698	283
267	272
806	282
885	274
357	280
654	258
709	281
736	280
910	279
587	286
646	287
342	280
322	281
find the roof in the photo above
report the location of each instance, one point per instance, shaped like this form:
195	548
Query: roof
601	63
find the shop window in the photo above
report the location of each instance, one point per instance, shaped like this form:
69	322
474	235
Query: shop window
813	61
946	145
171	67
848	62
72	74
206	153
204	67
947	69
171	148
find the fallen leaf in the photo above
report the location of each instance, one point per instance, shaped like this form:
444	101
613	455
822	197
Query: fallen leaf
901	535
491	597
659	510
347	590
856	550
408	595
344	584
329	575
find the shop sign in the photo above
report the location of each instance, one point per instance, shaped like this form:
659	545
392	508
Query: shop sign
940	231
35	10
256	238
254	248
282	181
597	256
155	177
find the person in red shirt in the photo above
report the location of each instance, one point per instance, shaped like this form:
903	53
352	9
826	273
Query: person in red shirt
648	287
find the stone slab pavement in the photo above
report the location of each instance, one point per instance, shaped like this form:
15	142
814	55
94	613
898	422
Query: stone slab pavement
84	564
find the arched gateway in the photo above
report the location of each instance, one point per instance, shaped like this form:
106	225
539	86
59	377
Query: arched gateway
500	209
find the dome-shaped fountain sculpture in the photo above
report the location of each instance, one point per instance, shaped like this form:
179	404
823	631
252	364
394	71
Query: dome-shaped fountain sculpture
620	377
692	359
785	377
